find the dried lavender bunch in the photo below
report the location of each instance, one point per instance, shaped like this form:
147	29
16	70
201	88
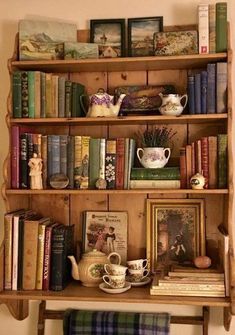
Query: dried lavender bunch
156	137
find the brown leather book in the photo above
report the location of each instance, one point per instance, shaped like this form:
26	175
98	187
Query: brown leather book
213	162
188	164
198	157
205	159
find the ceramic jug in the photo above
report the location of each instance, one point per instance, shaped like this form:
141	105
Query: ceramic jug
171	104
153	158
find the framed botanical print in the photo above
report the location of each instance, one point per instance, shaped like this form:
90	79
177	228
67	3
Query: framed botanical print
109	34
140	35
175	231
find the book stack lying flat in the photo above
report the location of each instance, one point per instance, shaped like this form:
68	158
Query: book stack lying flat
165	178
195	283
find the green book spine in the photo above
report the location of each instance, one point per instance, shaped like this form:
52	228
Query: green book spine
222	143
16	95
94	154
68	98
43	95
74	105
31	85
221	27
169	173
61	97
25	94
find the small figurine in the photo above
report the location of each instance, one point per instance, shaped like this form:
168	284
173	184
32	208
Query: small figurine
197	181
35	164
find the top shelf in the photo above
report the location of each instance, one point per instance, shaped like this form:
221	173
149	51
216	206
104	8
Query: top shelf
121	64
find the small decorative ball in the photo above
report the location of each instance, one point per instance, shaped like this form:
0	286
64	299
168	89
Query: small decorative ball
202	262
101	184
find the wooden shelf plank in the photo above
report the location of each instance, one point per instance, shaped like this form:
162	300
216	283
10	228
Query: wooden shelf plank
76	292
142	119
132	191
121	64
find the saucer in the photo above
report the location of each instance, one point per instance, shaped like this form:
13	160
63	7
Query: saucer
104	287
143	282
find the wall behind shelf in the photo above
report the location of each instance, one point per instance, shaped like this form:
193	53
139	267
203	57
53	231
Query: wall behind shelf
80	12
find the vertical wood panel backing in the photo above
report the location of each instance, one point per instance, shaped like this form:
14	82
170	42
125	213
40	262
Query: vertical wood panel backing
91	80
197	131
1	266
135	205
178	78
93	131
54	206
14	202
49	130
127	78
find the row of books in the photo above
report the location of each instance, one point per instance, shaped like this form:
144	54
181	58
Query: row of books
212	27
207	156
165	178
207	90
36	250
37	94
82	159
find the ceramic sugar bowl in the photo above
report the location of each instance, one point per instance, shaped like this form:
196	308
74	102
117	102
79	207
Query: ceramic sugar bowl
90	269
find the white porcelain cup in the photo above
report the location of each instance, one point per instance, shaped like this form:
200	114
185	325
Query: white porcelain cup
115	269
115	281
138	275
137	264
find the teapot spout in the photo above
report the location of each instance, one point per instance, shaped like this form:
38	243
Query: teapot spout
75	273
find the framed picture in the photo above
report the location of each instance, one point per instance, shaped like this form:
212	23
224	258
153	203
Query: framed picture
175	232
109	34
106	232
140	35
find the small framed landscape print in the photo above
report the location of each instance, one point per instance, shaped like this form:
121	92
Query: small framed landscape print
175	232
140	35
109	34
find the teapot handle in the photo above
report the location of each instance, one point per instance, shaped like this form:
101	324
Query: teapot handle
138	153
186	99
169	153
117	255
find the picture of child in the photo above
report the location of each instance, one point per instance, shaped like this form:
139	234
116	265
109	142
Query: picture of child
110	238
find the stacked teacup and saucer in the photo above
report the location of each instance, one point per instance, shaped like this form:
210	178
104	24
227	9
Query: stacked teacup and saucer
138	273
114	280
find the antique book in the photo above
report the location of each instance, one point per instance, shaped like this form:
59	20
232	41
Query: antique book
205	159
68	98
183	168
193	165
15	157
212	28
16	95
44	160
197	93
61	97
43	95
78	90
221	26
221	87
126	162
102	158
94	168
188	154
77	160
37	94
213	164
25	94
55	99
70	160
131	157
163	184
24	178
55	154
222	154
63	154
204	92
196	273
203	28
120	162
185	293
61	247
106	232
191	94
85	162
49	95
155	174
198	157
110	163
211	88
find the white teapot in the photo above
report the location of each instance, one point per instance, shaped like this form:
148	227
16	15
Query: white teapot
171	104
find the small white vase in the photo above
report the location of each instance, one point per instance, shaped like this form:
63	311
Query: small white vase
153	158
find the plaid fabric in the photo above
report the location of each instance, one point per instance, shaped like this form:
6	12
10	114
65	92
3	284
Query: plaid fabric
78	322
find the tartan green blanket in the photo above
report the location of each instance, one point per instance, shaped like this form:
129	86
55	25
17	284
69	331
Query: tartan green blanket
80	322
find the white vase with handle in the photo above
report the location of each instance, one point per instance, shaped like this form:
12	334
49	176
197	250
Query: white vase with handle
152	157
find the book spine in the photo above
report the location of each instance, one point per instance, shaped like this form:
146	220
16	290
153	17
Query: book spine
221	27
68	250
74	99
155	174
102	158
197	293
44	161
120	161
198	93
63	154
68	98
212	28
211	88
191	95
205	159
40	256
162	184
16	94
57	258
55	151
193	158
47	258
15	242
94	155
49	158
31	90
132	145
55	99
24	180
110	164
49	95
126	162
222	142
15	157
198	157
188	164
183	168
203	92
25	94
20	253
203	28
85	162
193	287
61	97
212	145
221	87
70	161
37	94
77	161
43	95
7	251
80	92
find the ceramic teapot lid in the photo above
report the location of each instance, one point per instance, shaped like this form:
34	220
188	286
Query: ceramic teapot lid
94	253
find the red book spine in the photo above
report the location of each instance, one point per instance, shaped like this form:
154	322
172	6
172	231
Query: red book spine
198	157
183	171
120	163
188	164
193	159
205	159
47	259
15	157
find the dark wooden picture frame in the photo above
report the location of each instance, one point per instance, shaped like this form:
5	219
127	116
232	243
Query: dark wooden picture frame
109	34
140	35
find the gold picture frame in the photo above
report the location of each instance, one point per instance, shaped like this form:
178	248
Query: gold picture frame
175	232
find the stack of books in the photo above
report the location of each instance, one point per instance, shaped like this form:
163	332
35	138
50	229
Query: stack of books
167	178
186	282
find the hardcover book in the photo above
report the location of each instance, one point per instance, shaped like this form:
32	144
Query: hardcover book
191	94
94	168
221	26
211	88
16	94
203	28
106	232
110	164
222	143
212	28
221	87
162	184
120	162
155	174
197	93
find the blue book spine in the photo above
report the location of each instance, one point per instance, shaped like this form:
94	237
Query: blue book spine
197	93
203	92
211	86
191	98
63	154
55	144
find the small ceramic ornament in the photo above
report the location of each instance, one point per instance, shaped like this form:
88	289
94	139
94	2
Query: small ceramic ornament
197	181
202	262
101	184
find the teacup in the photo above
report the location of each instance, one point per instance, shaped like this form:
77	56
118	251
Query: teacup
137	264
138	275
115	269
115	281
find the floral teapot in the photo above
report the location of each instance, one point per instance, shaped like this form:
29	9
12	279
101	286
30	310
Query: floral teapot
90	269
171	104
101	104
